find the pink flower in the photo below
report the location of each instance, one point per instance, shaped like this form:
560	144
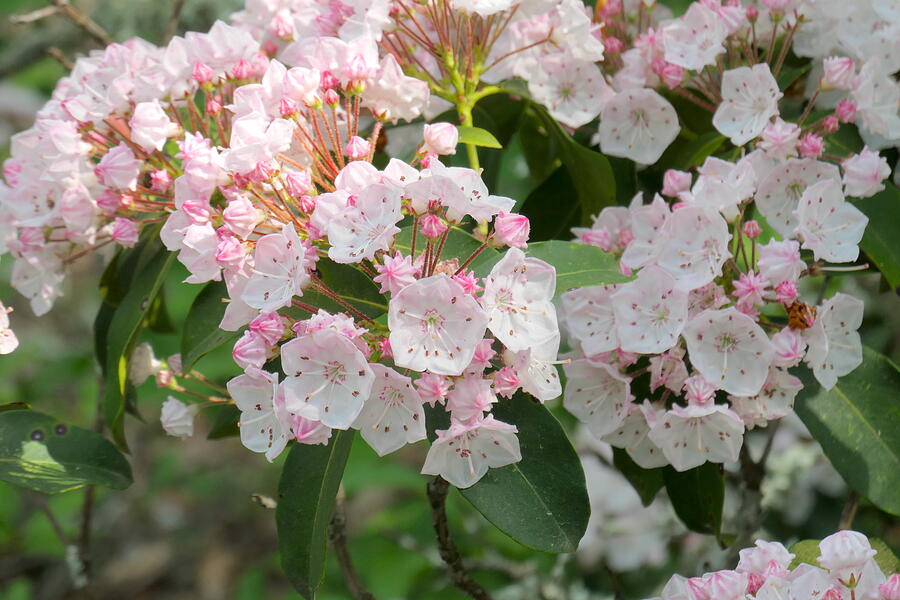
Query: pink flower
845	111
298	184
890	589
469	282
125	232
613	45
250	351
811	146
506	382
838	73
357	148
786	292
676	182
752	229
432	388
202	73
151	126
288	107
750	289
483	354
512	229
864	172
845	553
214	105
432	226
241	216
243	69
698	390
395	273
779	139
269	326
119	168
160	181
470	397
831	123
780	261
440	138
789	347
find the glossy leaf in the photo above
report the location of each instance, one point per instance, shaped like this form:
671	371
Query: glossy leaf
646	482
857	423
542	500
306	494
201	334
225	419
40	453
477	137
552	207
697	151
697	495
880	239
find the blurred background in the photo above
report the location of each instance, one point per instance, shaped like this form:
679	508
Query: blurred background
189	527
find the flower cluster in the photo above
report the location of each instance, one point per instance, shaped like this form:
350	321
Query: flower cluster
847	570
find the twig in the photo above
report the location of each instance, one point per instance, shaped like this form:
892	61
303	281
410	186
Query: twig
35	15
338	535
849	512
54	522
82	20
172	26
61	58
437	497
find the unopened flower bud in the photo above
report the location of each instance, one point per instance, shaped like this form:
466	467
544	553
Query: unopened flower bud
242	70
752	13
328	81
160	181
440	138
177	418
786	292
506	382
811	146
839	72
512	229
214	106
125	232
288	107
752	229
845	111
357	148
332	98
831	124
432	227
890	589
676	182
202	73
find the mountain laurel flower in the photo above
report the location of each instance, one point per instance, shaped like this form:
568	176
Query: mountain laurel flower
298	184
751	229
440	138
512	229
8	339
269	326
463	453
250	350
125	232
506	382
789	347
811	146
432	226
750	289
749	100
202	73
864	173
241	216
177	418
395	273
829	225
838	73
845	553
780	139
831	123
676	183
432	388
787	292
890	589
151	126
392	416
119	168
357	148
160	181
845	112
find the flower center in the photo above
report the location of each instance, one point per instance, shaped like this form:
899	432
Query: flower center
334	372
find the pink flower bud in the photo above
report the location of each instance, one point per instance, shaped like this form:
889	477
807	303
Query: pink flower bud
839	73
328	81
230	252
811	146
512	229
613	45
831	124
125	232
109	201
214	106
752	13
270	47
469	282
281	27
288	107
202	73
164	378
332	98
779	139
427	160
249	350
359	69
890	589
197	209
786	292
357	148
611	9
384	348
432	388
676	182
262	172
241	216
752	229
672	75
484	352
506	382
845	111
699	391
440	138
242	70
298	183
754	582
11	170
432	227
776	5
307	203
269	326
160	181
833	594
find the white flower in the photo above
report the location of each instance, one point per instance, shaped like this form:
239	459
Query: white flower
435	325
464	453
845	553
830	226
151	126
650	312
749	99
8	339
536	370
876	96
573	91
360	231
633	436
730	350
835	348
518	299
694	246
590	318
280	270
597	395
328	378
774	401
393	415
638	125
692	435
694	40
177	418
646	223
264	425
779	192
863	173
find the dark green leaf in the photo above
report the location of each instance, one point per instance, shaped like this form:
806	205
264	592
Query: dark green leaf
40	453
844	141
201	334
698	150
540	150
477	137
225	419
541	501
857	423
697	495
789	75
880	239
306	492
552	208
158	318
646	482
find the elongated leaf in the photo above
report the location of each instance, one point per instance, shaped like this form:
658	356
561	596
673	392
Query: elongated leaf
478	137
646	482
552	207
225	419
541	501
201	334
697	495
885	558
857	423
790	75
880	239
152	266
40	453
309	483
698	150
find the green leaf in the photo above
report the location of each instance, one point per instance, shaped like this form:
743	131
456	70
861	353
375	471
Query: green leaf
880	239
122	333
788	76
460	245
806	552
477	137
225	419
697	495
306	493
541	501
591	172
552	207
646	482
201	334
857	422
886	559
700	149
40	453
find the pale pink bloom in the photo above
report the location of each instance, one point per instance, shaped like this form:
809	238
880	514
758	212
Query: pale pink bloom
749	100
671	75
723	185
779	192
119	168
308	431
340	322
876	95
864	172
668	370
506	382
392	416
463	453
750	289
484	354
838	73
250	351
695	40
787	292
845	112
395	273
789	347
8	339
357	148
890	589
512	229
829	226
697	390
432	226
694	246
638	125
779	261
780	139
646	222
774	401
230	253
726	585
264	423
470	397
845	553
393	95
198	253
831	123
632	436
469	282
177	418
835	348
328	378
475	199
125	232
222	47
160	181
518	299
730	350
597	394
811	146
650	312
760	558
692	435
440	138
432	388
676	183
536	370
38	276
360	231
435	326
280	270
590	318
574	91
241	216
268	326
298	183
151	126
